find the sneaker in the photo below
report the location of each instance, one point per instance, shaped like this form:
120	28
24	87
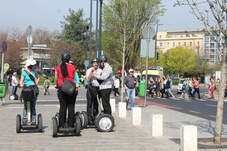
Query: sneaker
33	123
24	123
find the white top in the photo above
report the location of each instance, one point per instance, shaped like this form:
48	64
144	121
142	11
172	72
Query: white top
14	81
116	83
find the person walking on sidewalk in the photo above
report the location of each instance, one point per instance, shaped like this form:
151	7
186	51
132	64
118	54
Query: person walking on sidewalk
130	83
46	85
92	90
116	85
106	83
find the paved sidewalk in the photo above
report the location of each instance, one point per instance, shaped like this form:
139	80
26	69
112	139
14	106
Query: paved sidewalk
125	136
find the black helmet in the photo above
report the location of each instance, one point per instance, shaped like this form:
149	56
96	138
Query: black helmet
65	56
94	60
103	58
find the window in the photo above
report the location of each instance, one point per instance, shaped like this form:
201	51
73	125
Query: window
190	44
184	43
178	43
173	44
160	36
167	44
160	45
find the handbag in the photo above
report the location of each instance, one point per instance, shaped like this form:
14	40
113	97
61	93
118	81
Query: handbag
68	87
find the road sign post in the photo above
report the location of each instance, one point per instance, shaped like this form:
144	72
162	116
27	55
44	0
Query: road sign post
4	49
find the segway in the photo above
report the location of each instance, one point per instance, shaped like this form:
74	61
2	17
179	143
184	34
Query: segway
28	95
13	97
103	122
56	129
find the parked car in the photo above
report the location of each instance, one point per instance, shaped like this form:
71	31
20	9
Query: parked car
180	84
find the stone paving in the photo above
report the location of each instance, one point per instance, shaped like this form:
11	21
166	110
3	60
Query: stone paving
124	137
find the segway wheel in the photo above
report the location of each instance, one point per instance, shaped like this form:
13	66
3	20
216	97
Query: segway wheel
57	117
54	127
84	118
40	123
104	123
80	117
77	126
16	97
12	97
18	123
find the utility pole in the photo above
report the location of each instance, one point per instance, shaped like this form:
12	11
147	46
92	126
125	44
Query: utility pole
90	42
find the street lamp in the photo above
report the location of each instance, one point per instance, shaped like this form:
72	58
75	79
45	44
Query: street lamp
29	40
100	29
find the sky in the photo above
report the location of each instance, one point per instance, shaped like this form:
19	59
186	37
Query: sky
47	14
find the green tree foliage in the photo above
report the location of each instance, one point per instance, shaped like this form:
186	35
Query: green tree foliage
178	60
74	27
122	22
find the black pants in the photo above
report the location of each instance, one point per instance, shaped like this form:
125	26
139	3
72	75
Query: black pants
116	91
66	101
196	91
105	95
163	92
92	103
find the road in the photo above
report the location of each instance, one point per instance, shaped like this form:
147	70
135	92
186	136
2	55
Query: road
204	107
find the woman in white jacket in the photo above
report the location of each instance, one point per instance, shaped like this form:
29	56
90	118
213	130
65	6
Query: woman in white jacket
116	85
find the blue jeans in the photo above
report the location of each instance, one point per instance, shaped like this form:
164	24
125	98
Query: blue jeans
32	108
14	90
47	90
130	93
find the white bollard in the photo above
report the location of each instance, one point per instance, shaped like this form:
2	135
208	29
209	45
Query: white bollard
156	124
136	116
122	109
188	136
112	104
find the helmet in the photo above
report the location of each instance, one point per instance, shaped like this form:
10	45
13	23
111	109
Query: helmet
65	56
30	62
103	58
94	60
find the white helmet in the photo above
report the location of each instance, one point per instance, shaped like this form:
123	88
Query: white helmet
30	62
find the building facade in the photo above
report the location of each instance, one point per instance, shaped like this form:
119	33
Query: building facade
204	46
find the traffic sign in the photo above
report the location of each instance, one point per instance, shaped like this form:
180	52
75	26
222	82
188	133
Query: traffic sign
4	46
148	32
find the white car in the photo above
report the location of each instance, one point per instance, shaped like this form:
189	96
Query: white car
179	86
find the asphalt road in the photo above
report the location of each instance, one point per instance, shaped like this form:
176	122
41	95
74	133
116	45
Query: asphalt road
204	107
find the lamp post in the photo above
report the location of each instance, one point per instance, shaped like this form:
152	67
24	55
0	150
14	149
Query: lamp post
100	29
29	40
96	32
90	40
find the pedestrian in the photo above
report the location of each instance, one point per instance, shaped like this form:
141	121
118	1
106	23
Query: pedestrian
184	91
92	90
168	87
46	86
162	87
106	82
26	81
14	83
65	71
212	87
196	88
116	85
129	85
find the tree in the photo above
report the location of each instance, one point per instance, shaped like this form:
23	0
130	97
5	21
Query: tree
218	9
179	60
74	27
123	20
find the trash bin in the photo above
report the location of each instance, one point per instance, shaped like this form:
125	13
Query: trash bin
85	82
2	89
142	88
